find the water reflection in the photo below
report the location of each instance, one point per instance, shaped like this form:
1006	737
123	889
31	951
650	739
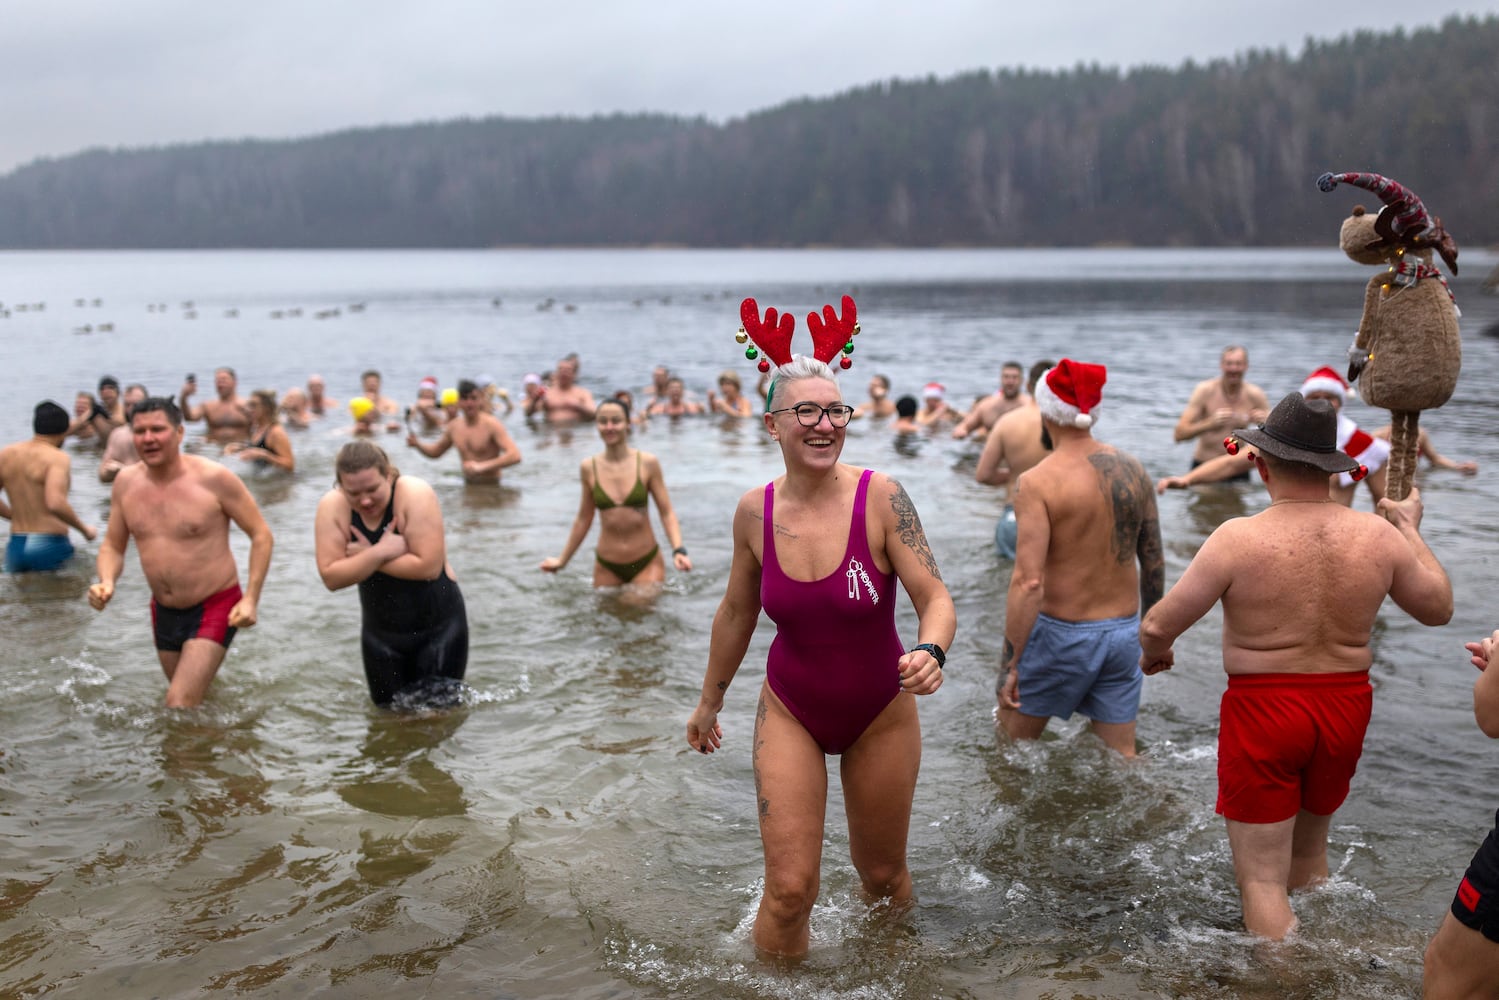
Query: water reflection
394	774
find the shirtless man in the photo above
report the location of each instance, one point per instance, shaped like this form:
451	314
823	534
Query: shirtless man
982	418
1301	583
482	441
566	402
880	404
1086	517
35	475
1012	446
179	507
227	417
319	403
119	450
1367	450
428	410
369	381
1220	404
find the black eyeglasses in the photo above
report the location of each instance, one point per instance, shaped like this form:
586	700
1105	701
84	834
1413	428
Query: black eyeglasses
808	414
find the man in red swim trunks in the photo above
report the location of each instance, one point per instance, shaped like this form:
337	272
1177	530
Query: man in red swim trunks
179	507
1301	583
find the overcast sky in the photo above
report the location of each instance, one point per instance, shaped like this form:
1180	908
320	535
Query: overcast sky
76	74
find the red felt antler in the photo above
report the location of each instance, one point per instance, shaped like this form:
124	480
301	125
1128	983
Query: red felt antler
830	332
772	337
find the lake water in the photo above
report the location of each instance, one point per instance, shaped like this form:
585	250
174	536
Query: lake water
556	837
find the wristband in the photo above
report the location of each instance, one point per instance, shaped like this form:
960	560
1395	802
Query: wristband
680	550
935	651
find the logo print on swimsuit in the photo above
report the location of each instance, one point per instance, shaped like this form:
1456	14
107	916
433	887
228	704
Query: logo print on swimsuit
855	574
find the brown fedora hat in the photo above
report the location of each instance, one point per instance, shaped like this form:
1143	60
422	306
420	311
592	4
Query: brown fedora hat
1300	430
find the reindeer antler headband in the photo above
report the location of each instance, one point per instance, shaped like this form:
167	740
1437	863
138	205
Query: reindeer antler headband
832	334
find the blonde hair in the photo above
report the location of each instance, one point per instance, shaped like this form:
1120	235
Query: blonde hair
798	369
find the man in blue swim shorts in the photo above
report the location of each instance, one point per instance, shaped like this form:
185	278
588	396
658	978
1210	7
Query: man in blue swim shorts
1088	561
35	476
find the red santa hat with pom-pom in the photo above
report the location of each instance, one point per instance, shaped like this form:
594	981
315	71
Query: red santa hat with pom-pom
1069	393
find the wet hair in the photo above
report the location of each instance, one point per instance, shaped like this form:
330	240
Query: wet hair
111	381
267	400
367	373
157	404
227	371
798	369
358	455
883	380
730	376
467	387
1015	365
137	385
905	406
49	419
613	401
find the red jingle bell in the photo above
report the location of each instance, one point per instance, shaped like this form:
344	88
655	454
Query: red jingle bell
1357	475
1231	446
845	362
764	365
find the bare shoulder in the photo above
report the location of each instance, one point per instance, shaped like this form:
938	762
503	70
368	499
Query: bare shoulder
413	489
332	504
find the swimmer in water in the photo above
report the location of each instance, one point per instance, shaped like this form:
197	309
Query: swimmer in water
627	550
839	679
384	532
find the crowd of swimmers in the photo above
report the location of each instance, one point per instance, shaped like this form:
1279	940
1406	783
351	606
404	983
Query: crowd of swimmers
820	550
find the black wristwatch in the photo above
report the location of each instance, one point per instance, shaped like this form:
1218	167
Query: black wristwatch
680	550
935	650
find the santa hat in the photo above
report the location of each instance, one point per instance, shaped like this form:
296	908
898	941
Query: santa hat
1068	393
429	383
1361	446
934	390
1324	379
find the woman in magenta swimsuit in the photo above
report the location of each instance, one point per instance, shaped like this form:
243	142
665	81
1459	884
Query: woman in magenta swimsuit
627	550
820	550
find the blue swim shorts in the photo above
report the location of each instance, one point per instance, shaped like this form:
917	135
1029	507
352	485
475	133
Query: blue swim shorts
1092	668
29	553
1006	532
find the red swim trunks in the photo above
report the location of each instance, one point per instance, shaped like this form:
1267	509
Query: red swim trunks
209	620
1289	742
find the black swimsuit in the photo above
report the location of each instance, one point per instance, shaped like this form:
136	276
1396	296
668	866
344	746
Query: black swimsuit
415	632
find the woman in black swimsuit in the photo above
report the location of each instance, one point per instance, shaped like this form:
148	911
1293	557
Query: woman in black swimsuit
627	550
269	444
383	531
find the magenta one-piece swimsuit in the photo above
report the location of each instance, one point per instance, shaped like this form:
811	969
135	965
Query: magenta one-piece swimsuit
834	659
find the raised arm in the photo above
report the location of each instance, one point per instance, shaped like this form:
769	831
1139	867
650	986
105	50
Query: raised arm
436	449
1194	417
1419	586
733	626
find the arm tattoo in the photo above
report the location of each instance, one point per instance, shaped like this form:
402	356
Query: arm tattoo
1122	481
1152	563
908	525
1007	660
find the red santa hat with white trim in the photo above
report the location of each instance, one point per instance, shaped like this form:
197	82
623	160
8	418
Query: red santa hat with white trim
1069	393
1361	446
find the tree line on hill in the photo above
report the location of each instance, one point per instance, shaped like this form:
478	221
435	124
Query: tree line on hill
1222	153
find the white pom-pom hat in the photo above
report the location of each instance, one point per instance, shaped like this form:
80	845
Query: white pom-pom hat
1069	393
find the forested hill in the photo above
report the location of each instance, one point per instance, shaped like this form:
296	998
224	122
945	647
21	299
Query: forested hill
1220	154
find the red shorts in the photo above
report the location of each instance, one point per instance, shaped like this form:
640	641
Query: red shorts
209	620
1289	742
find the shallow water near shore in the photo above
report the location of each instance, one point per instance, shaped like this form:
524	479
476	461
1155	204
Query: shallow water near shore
554	836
